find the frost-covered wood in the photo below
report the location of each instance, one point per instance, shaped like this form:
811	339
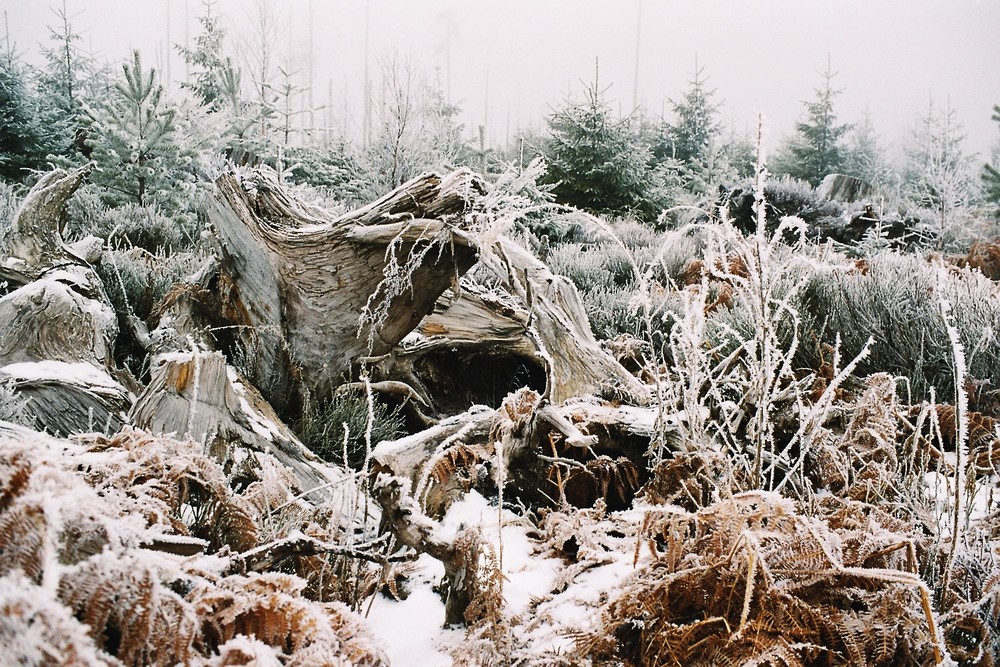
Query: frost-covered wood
516	442
57	329
558	327
34	243
196	395
842	188
302	278
459	554
478	330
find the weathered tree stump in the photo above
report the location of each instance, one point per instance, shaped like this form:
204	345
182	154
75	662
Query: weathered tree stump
196	395
311	292
57	329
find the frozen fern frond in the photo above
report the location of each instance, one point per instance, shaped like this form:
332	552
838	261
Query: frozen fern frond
36	630
270	608
173	484
89	576
750	580
129	612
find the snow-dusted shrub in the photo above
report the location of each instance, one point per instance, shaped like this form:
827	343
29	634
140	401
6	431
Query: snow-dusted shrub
784	198
604	270
130	225
334	428
894	298
136	281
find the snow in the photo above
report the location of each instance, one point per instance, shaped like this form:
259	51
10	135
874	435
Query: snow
544	610
78	373
410	631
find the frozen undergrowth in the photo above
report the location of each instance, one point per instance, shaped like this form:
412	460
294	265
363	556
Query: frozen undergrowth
546	602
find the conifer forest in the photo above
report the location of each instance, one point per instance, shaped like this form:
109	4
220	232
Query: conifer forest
292	376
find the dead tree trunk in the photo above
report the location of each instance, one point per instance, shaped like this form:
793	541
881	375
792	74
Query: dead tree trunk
34	243
57	329
312	292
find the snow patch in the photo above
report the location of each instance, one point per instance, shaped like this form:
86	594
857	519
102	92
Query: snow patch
78	373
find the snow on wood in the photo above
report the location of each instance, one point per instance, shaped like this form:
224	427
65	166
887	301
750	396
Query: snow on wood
196	395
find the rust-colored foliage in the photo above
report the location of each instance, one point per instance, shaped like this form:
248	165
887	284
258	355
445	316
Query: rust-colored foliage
985	256
749	580
74	519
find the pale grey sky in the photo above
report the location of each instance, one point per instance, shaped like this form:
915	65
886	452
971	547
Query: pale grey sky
511	60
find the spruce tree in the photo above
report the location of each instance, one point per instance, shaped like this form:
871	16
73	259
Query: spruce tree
597	162
29	127
938	175
865	154
816	149
69	77
691	136
215	79
991	174
134	143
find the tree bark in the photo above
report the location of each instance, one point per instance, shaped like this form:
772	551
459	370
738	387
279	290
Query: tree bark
196	395
34	243
559	328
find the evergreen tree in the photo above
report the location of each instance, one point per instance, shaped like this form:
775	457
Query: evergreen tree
134	143
696	128
938	174
597	162
69	77
865	154
991	173
816	150
215	79
29	128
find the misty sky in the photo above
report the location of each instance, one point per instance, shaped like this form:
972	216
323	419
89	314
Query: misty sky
512	60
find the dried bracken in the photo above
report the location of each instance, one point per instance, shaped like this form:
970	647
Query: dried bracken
750	580
89	576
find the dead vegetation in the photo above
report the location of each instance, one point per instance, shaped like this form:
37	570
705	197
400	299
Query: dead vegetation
730	484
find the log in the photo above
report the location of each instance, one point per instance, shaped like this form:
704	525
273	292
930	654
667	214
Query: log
196	395
445	461
413	528
310	292
481	344
68	398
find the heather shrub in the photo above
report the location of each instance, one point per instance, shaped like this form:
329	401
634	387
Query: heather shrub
335	428
895	298
130	225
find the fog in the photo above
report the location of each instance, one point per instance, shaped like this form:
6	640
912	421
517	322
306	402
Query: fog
506	63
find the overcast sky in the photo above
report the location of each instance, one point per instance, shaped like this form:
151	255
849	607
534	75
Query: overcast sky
511	60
